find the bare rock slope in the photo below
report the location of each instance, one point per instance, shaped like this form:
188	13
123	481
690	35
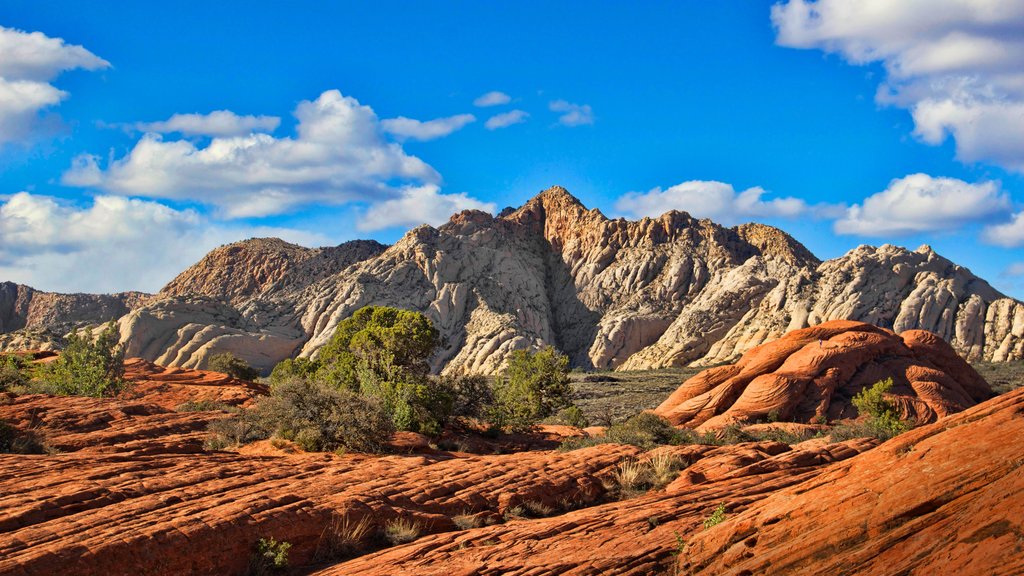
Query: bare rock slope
815	372
611	293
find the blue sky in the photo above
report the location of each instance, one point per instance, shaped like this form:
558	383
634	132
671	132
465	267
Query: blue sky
841	121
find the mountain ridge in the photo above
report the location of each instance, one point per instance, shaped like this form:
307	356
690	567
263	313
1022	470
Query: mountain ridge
610	293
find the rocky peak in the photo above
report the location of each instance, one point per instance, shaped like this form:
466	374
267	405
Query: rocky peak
774	243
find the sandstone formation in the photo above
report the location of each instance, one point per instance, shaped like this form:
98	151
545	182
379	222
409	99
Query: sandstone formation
813	374
610	293
942	499
169	388
24	307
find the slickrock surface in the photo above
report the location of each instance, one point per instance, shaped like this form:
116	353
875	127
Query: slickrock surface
651	293
947	498
637	536
815	372
100	425
173	514
171	387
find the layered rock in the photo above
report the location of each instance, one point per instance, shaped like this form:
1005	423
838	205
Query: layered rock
610	293
170	387
23	307
942	499
813	374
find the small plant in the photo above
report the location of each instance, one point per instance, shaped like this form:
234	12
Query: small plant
15	441
232	365
515	512
716	518
881	419
465	521
631	478
270	557
664	468
11	375
538	509
645	430
343	537
571	416
773	415
401	531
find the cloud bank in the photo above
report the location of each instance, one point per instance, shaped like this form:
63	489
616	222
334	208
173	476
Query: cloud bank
956	65
710	199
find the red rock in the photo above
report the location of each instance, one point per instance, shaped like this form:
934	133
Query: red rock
172	387
815	372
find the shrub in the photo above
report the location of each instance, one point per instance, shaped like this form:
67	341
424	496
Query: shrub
270	557
343	538
635	477
293	368
87	366
401	531
645	430
533	386
11	375
465	521
15	441
880	418
314	416
472	396
571	416
716	517
232	365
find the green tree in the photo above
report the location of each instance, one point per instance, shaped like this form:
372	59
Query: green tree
87	366
533	386
881	414
293	368
232	365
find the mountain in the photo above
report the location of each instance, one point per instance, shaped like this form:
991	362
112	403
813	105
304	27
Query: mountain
610	293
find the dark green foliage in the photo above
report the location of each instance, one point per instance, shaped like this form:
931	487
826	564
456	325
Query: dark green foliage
87	366
533	386
571	416
15	441
386	341
314	416
293	368
646	430
11	373
269	557
472	396
232	365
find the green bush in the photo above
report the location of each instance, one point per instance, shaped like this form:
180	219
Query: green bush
571	416
232	365
645	430
293	368
716	517
269	557
533	386
314	416
11	373
87	366
880	418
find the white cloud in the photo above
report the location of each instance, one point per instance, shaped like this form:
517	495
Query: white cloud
1009	235
115	244
1014	270
922	203
494	98
572	114
216	123
709	199
506	119
339	155
955	64
28	62
404	128
419	205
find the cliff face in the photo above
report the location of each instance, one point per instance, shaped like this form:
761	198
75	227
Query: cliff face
26	309
610	293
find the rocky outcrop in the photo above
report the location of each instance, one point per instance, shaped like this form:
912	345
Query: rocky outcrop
941	499
169	388
23	307
610	293
237	272
815	372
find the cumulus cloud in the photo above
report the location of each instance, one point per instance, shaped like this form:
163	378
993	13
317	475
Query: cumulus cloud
216	123
407	128
113	245
922	203
338	155
710	199
954	64
494	98
419	205
572	114
506	119
1009	235
28	62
